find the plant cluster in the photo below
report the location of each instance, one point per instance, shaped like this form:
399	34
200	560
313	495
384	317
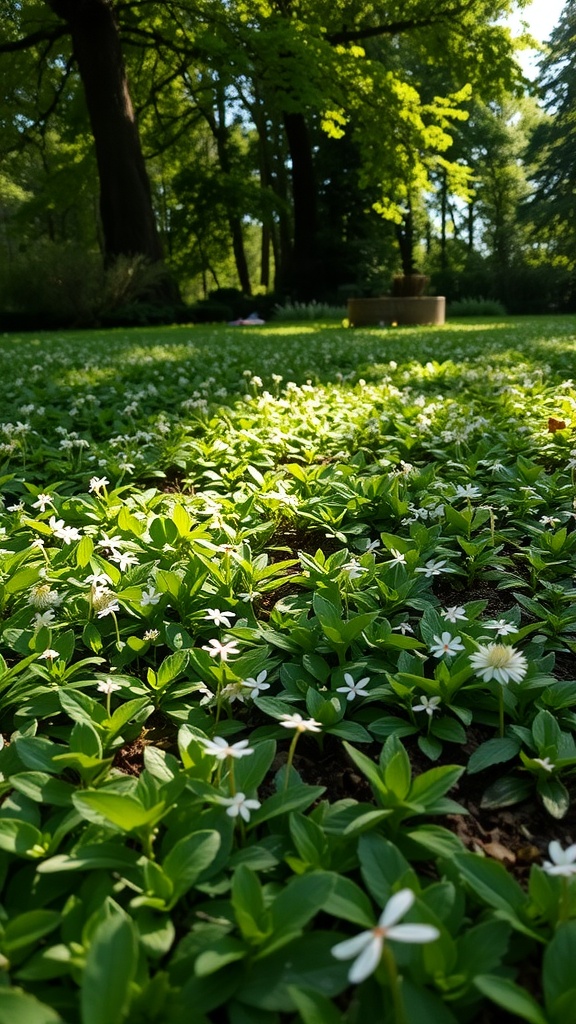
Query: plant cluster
271	600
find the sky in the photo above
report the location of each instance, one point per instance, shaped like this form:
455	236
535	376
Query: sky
542	16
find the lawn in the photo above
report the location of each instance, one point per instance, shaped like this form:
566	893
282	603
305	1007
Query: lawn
287	683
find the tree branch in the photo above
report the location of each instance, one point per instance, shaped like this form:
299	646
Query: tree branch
42	36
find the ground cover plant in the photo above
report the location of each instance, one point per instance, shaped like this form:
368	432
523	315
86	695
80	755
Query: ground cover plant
287	692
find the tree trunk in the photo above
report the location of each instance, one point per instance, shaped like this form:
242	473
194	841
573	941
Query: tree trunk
405	236
126	210
301	274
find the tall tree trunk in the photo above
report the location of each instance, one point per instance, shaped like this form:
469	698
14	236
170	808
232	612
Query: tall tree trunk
405	236
301	274
126	210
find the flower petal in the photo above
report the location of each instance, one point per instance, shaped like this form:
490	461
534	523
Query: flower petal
352	947
367	962
413	933
396	907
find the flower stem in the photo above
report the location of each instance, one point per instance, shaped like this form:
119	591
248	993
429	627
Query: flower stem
501	712
395	986
289	759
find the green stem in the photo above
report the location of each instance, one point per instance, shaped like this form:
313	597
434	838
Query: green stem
231	779
289	759
564	911
501	712
395	986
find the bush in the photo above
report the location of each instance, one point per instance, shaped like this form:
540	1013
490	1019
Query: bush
52	284
476	307
308	311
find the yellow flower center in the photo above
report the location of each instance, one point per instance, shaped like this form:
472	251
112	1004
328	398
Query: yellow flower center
500	656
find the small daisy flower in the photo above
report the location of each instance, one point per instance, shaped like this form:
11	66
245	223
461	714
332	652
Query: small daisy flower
257	685
397	558
123	559
43	619
296	721
97	483
49	654
456	613
219	618
501	627
499	662
562	862
469	491
149	597
218	650
42	502
428	704
353	569
239	805
446	644
367	947
353	689
403	627
434	567
221	749
549	521
108	686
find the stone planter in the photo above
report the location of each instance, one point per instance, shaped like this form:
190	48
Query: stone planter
424	309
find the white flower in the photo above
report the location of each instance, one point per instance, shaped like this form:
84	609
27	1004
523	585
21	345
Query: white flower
370	545
108	686
429	705
549	520
149	597
239	805
97	483
49	654
434	567
216	649
446	644
220	748
257	684
353	689
123	559
42	619
353	569
403	627
454	614
545	763
219	618
367	946
42	502
562	862
499	662
151	634
112	543
104	601
42	597
501	627
469	491
98	579
68	534
397	558
296	721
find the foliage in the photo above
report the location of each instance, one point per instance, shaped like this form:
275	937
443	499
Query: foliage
476	307
240	566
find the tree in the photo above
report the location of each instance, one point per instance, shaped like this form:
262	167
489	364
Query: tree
128	222
553	206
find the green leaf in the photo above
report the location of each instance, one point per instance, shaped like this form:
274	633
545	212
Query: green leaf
220	953
187	860
248	903
398	774
301	899
124	812
312	1007
506	791
18	1008
110	968
92	857
554	796
306	963
492	752
26	929
558	970
349	902
20	838
491	882
510	997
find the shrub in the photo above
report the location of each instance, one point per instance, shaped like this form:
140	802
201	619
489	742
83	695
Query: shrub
308	311
476	307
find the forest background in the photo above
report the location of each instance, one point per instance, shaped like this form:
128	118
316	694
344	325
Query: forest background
244	153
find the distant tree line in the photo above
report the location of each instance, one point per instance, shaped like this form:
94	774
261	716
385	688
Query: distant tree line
307	149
